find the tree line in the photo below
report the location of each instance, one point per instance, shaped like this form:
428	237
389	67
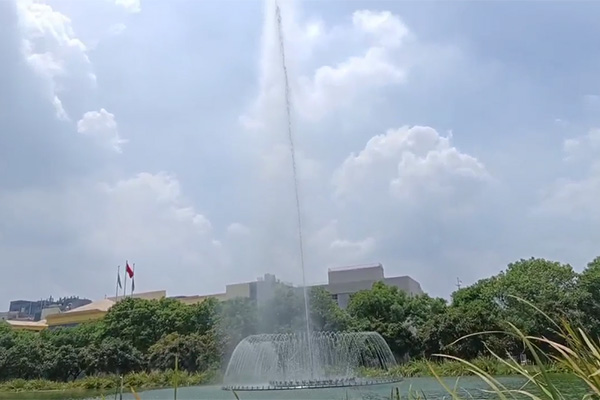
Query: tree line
144	335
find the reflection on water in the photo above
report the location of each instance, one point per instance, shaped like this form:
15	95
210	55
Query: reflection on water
429	388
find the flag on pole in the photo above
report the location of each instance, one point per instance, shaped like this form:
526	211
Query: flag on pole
133	279
125	277
129	270
119	285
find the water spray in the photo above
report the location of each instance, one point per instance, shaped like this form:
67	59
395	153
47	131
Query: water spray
294	170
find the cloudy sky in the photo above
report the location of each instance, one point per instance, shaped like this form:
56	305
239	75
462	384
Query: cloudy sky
443	139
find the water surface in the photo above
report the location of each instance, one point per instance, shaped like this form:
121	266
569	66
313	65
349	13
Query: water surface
429	388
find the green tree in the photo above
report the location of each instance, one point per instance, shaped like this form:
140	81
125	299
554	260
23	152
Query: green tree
386	310
238	318
325	314
195	352
589	296
284	312
63	363
112	355
136	321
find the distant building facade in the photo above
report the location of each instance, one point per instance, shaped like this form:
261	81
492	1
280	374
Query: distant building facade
8	315
345	281
34	310
260	291
342	283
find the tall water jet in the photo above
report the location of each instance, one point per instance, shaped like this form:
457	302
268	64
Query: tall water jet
288	108
305	360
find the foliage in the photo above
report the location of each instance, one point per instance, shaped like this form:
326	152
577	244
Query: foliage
108	384
195	352
574	353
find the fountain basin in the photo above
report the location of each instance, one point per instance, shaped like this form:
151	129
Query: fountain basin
308	361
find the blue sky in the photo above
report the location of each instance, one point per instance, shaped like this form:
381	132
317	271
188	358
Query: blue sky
443	139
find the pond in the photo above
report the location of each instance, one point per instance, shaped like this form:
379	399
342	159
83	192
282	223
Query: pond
429	388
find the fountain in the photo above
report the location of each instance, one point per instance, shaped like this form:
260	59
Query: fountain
305	360
284	361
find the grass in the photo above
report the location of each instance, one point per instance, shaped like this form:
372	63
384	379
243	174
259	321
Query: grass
138	380
446	367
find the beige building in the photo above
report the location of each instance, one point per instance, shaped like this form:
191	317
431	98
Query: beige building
343	282
260	290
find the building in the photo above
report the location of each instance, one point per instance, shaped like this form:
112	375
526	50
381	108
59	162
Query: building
33	310
154	295
35	326
260	291
343	282
95	310
8	315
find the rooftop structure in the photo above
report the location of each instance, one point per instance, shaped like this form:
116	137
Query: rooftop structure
344	281
260	290
35	326
32	310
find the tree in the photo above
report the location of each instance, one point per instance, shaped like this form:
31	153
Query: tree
195	352
589	296
135	321
548	285
284	312
63	363
238	318
325	314
385	309
112	355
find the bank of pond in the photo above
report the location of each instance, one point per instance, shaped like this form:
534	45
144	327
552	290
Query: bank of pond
416	388
164	379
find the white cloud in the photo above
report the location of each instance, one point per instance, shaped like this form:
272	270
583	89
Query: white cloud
317	91
102	126
582	147
116	29
277	164
411	164
577	196
145	219
52	49
132	6
238	229
386	28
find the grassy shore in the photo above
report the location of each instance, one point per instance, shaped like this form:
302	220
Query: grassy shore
155	380
138	380
451	368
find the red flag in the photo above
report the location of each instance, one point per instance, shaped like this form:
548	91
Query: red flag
129	270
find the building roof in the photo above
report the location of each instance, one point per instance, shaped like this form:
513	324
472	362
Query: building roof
28	325
100	305
154	295
352	267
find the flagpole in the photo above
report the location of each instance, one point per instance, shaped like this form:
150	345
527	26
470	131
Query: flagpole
133	280
125	282
118	281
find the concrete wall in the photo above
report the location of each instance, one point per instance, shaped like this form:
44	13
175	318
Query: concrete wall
8	315
344	282
50	311
405	283
189	300
155	295
355	274
236	290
